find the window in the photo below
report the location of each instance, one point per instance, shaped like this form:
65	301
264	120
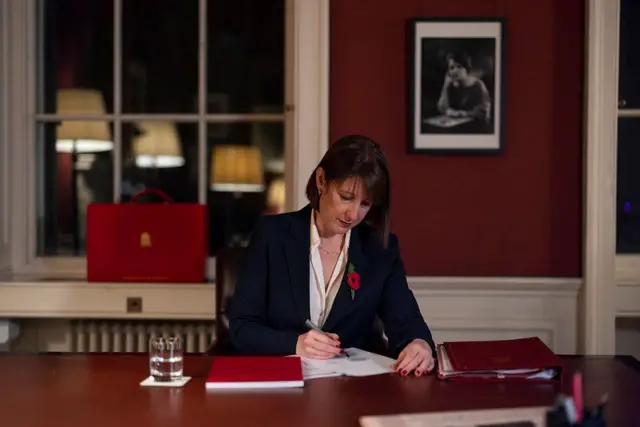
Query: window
628	182
124	95
628	156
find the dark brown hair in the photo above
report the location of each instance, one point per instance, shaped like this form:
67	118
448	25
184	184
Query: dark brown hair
359	157
460	58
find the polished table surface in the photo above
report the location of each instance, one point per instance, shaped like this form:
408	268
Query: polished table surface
104	390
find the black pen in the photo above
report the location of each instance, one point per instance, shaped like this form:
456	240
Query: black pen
313	326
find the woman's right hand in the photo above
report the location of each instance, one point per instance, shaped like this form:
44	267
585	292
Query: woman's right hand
318	345
447	80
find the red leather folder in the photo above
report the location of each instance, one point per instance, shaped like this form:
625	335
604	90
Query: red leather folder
229	372
146	242
523	359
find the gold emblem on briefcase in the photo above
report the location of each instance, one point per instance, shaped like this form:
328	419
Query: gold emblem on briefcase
145	240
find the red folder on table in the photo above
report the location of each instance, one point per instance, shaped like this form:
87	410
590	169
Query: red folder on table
523	359
229	372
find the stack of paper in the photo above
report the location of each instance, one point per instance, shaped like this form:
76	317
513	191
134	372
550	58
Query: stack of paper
515	359
511	417
355	363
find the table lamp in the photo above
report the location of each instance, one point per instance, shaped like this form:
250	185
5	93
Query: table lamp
276	196
157	146
81	136
88	136
236	169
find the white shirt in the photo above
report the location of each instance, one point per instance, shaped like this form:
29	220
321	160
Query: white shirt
321	297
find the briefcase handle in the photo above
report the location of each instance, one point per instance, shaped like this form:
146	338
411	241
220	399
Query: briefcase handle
155	191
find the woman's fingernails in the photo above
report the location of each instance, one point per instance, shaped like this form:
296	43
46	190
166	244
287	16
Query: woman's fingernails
404	372
418	373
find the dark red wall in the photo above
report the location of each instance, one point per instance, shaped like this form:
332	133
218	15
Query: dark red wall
515	214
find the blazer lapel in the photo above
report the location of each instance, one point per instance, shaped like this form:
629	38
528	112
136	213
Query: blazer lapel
343	304
297	255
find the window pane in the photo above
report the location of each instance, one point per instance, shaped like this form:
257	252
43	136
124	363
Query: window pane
160	155
160	56
245	160
75	50
245	64
629	88
628	206
74	168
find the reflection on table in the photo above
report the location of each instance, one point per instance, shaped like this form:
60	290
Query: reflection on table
101	390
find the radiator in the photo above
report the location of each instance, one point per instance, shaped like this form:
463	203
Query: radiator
121	336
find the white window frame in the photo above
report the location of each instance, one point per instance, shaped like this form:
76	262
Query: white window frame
627	266
5	161
306	125
612	281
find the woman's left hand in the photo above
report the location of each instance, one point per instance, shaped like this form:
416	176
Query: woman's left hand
416	357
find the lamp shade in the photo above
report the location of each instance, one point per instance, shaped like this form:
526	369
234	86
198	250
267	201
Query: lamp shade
237	168
89	136
276	195
157	146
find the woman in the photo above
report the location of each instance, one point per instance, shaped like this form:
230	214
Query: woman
463	94
332	264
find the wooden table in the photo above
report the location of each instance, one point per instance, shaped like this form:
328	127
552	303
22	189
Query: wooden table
103	390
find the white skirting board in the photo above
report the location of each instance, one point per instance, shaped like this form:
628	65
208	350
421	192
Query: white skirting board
456	308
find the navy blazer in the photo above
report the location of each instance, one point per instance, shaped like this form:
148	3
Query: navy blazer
268	310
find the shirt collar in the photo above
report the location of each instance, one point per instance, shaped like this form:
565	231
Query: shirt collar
315	235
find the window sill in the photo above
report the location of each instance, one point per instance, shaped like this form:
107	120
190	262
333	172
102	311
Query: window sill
64	268
81	299
628	270
628	285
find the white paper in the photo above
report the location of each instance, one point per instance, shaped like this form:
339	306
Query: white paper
474	418
314	369
356	363
150	382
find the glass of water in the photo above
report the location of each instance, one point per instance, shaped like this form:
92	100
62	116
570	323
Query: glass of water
166	358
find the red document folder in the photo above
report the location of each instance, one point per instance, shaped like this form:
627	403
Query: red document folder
147	242
523	359
255	372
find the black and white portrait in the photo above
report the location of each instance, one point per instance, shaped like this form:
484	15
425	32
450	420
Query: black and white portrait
456	86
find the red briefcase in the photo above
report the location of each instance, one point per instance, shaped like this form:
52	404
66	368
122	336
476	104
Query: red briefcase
146	242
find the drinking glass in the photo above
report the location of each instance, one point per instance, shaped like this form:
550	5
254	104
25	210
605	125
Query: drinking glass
166	358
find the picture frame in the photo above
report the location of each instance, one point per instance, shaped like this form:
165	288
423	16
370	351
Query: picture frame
457	80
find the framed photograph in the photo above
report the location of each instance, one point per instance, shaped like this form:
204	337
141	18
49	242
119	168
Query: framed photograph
457	81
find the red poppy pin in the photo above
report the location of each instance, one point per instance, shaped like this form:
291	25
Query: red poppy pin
353	279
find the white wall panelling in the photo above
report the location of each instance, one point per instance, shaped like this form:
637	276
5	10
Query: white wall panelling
628	300
456	308
500	308
59	299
